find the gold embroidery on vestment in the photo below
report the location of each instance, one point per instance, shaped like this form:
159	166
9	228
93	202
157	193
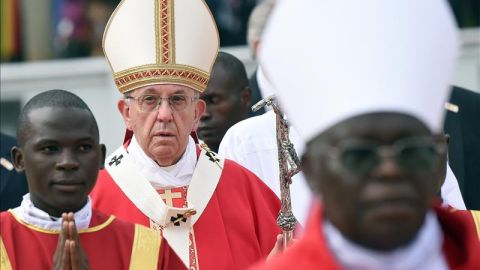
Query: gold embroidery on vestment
476	220
51	231
4	260
145	249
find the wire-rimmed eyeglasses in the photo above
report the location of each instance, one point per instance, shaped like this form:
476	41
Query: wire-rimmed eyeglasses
150	103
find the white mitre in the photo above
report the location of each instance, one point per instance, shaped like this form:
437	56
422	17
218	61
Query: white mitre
331	60
161	42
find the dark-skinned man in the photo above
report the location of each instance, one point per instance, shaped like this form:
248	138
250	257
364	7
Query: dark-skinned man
55	226
373	128
227	97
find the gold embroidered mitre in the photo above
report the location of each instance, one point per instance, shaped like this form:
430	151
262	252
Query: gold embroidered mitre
161	42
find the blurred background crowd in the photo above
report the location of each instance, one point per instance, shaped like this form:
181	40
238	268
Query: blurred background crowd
48	29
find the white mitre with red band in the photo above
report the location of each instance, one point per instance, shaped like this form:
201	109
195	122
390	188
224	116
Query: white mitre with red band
150	42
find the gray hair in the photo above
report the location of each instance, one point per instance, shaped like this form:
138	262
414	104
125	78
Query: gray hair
257	21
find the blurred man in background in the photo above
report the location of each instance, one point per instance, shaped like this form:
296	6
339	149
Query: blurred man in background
256	23
227	97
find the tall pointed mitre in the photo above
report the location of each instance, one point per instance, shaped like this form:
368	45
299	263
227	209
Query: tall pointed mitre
150	42
329	60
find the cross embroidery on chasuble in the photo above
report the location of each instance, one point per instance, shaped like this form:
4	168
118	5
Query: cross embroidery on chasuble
177	197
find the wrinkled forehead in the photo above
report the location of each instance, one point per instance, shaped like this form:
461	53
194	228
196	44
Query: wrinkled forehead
163	89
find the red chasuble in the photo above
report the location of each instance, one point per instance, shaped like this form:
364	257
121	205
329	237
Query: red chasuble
461	246
236	229
109	243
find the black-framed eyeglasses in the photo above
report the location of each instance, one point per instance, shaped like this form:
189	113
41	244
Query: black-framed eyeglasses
150	103
412	154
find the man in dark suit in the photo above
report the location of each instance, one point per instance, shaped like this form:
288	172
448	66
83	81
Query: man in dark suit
13	185
462	123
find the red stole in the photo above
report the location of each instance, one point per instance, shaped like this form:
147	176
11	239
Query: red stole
177	197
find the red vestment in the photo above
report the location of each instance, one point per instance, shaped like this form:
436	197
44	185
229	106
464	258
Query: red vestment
460	246
236	229
470	217
109	243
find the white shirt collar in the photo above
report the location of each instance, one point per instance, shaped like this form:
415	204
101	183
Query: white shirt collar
39	218
425	252
177	175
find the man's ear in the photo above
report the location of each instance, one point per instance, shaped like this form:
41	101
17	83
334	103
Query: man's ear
104	154
246	95
17	158
200	108
124	109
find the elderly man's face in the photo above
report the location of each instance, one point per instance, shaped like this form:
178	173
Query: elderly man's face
162	133
379	203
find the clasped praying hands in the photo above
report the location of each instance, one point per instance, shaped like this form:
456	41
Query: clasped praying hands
69	254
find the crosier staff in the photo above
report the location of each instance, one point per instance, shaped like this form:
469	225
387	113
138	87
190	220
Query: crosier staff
289	165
